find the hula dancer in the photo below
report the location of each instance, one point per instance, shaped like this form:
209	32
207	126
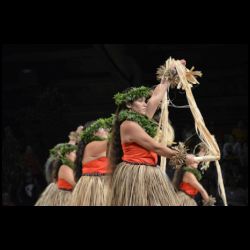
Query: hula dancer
187	181
92	165
58	193
137	180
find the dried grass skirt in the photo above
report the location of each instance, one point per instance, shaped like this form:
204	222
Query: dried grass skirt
48	195
91	190
141	185
185	199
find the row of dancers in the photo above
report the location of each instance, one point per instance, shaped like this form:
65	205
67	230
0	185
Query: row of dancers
114	161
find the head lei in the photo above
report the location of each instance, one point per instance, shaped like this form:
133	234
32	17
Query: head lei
131	95
88	135
60	151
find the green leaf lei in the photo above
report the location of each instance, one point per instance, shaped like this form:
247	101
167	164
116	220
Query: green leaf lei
148	125
88	134
131	95
61	150
194	171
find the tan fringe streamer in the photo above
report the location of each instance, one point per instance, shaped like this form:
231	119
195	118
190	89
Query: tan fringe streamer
185	81
164	123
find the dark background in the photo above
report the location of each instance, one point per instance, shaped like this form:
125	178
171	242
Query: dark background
50	89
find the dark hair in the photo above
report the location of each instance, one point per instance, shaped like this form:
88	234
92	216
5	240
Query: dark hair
56	164
198	148
48	170
177	179
115	147
79	155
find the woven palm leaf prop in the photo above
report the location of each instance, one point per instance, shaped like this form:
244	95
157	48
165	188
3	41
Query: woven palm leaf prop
162	135
182	78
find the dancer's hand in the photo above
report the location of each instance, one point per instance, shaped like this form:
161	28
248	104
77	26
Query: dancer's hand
165	81
183	61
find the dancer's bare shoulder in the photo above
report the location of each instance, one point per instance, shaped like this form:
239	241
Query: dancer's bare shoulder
95	150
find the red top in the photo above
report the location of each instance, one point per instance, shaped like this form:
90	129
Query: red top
62	184
98	166
188	189
134	153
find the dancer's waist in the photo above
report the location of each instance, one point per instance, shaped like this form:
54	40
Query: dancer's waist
95	174
64	185
140	163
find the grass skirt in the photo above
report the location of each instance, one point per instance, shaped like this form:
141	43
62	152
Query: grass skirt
141	185
48	195
186	200
62	198
91	190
